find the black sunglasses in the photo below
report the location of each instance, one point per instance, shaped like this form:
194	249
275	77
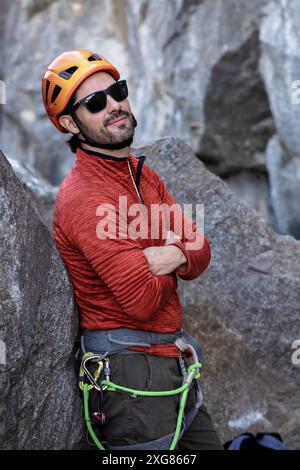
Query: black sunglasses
97	101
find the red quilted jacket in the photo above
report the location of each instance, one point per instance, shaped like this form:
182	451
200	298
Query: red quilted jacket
112	282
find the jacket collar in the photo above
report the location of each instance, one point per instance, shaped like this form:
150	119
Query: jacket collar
88	162
105	156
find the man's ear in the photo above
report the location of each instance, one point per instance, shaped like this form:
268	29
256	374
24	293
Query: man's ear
68	123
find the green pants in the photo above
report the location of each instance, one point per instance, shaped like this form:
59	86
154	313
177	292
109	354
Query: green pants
142	419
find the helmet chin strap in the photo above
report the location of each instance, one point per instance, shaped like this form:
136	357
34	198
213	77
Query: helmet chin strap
92	143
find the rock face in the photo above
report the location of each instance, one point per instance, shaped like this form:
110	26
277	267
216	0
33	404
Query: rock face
217	74
280	67
244	308
42	193
195	42
285	181
222	75
40	406
193	72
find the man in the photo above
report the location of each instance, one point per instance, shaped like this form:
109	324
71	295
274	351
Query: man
124	284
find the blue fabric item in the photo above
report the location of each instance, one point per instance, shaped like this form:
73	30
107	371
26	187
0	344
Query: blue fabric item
260	441
271	442
237	441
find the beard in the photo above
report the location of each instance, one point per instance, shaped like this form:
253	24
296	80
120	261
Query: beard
106	135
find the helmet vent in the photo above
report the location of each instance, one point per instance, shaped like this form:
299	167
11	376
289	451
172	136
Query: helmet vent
56	92
94	57
66	74
47	89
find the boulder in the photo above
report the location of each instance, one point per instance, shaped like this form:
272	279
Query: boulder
40	407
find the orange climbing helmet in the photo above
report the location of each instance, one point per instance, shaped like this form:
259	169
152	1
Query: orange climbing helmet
65	74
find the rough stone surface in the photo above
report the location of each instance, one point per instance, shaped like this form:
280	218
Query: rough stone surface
211	45
215	73
43	194
40	406
280	68
252	187
244	308
284	183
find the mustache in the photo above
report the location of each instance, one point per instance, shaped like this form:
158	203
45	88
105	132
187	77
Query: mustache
116	116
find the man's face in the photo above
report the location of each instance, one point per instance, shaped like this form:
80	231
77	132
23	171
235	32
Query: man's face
100	126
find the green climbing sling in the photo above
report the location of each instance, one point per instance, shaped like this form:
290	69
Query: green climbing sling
97	346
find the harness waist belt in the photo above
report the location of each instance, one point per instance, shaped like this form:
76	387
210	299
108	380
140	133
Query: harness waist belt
118	340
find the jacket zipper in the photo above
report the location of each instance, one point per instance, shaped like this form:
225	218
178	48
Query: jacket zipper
135	187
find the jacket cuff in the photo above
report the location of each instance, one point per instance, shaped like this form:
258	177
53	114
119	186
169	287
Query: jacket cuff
181	245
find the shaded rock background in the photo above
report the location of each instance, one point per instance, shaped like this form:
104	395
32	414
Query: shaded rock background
280	67
217	73
40	407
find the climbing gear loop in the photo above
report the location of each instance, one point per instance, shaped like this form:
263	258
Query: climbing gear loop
100	380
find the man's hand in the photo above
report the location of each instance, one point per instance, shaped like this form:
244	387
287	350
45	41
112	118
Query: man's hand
165	259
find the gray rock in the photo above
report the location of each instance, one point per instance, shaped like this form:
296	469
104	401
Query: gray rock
252	187
284	176
203	82
192	72
280	68
40	406
237	117
244	308
42	193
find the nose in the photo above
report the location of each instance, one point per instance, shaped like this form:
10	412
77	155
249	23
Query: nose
112	105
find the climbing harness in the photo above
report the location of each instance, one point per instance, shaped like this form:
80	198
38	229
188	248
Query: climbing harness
110	342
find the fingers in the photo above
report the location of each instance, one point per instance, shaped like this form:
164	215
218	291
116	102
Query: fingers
171	236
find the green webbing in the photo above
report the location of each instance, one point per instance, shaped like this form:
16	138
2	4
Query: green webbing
184	389
87	417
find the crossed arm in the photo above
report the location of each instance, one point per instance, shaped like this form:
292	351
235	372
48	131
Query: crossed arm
165	259
177	255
